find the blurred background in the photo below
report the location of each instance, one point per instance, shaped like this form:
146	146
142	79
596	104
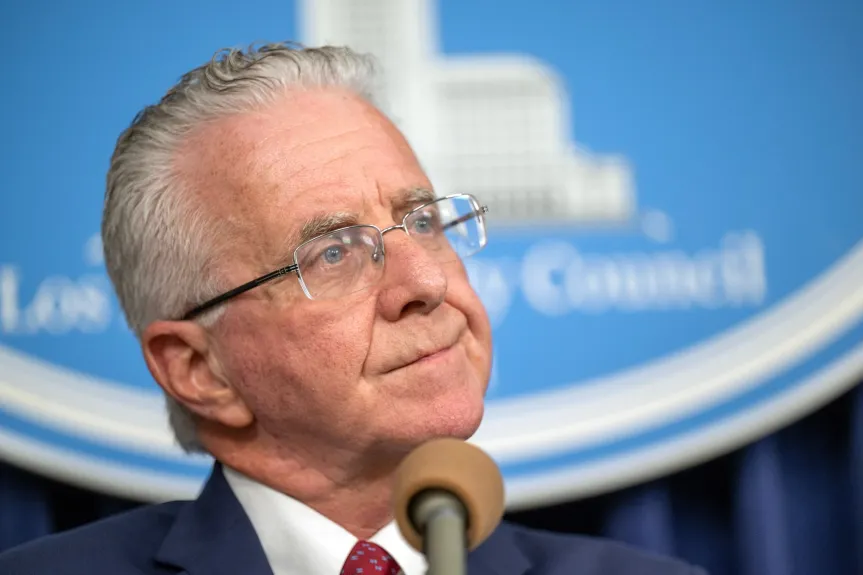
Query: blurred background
674	273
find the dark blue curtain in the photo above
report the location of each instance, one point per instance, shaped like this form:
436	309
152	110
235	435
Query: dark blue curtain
791	503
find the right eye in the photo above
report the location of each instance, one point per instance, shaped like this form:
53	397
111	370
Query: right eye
332	255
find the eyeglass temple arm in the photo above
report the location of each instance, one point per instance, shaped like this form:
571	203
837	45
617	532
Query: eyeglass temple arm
238	290
466	217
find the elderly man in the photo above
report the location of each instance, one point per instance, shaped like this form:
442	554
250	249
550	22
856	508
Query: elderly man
299	295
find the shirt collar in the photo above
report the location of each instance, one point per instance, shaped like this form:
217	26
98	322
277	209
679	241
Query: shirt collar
298	540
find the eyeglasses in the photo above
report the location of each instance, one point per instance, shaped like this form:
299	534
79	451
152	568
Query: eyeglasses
351	259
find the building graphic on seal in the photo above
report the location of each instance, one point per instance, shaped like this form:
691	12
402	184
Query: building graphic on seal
495	125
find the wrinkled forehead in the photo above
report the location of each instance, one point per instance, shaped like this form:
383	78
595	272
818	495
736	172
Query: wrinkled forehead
313	160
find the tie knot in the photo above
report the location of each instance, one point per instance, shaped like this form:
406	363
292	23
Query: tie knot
369	559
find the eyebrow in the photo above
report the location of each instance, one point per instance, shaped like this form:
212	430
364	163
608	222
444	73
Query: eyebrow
410	198
324	223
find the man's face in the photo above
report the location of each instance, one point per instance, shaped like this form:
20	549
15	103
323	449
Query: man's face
391	366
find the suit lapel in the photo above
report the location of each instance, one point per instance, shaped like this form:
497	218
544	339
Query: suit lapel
213	536
498	555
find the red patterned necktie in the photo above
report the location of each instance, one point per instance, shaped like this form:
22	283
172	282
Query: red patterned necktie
369	559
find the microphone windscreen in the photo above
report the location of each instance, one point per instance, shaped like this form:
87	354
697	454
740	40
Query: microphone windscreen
463	470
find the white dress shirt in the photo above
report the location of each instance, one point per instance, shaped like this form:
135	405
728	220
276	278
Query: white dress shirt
298	540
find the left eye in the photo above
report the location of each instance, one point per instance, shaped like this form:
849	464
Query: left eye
426	223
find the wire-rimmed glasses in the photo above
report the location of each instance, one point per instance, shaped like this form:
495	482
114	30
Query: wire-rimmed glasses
352	258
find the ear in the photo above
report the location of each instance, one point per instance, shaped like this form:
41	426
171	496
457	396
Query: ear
182	361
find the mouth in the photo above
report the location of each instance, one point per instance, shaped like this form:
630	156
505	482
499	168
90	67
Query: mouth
431	357
434	355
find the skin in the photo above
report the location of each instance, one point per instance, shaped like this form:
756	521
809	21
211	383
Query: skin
321	399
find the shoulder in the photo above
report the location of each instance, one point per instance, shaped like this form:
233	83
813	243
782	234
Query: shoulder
553	553
124	543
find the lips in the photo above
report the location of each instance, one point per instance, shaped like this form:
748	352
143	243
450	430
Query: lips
419	355
428	355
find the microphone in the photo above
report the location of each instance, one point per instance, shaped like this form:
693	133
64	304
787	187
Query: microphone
448	499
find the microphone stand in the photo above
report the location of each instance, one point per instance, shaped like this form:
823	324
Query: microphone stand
442	520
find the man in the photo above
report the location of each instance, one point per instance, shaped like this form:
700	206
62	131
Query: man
299	295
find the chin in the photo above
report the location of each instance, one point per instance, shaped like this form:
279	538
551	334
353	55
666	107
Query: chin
444	417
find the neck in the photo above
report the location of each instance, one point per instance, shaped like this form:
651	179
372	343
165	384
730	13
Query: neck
354	491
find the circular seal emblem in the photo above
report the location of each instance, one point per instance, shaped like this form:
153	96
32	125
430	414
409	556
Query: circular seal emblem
675	265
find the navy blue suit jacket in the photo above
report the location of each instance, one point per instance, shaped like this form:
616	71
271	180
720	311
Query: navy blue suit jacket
213	536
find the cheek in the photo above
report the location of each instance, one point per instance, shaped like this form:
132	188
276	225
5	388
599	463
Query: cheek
302	359
331	348
463	297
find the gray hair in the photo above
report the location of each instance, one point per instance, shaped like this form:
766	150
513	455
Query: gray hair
159	245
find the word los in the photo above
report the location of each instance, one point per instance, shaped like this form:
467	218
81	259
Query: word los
59	304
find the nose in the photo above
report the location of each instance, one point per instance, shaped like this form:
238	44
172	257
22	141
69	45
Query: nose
414	282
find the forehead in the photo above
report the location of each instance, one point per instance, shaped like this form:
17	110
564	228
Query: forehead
312	151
